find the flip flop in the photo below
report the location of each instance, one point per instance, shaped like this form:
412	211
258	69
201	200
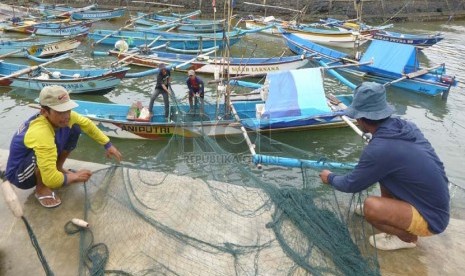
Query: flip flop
52	196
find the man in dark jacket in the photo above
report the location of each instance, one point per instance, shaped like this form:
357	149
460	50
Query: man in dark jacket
196	88
162	87
414	197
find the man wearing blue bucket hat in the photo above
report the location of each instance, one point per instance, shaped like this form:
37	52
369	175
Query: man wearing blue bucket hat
414	197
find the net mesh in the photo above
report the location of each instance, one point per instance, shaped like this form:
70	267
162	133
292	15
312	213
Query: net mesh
201	209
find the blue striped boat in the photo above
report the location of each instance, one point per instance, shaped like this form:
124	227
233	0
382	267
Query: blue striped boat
419	40
148	19
183	23
55	29
207	65
76	81
296	101
98	14
393	63
40	48
136	39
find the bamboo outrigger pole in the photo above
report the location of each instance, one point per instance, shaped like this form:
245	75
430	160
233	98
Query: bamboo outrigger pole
132	21
32	68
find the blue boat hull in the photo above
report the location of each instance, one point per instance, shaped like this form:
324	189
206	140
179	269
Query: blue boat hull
98	15
138	39
112	120
428	84
416	40
76	81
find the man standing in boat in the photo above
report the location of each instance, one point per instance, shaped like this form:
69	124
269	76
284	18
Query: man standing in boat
162	87
196	89
42	144
414	199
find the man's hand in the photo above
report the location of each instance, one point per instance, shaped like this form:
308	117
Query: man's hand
79	176
324	176
114	152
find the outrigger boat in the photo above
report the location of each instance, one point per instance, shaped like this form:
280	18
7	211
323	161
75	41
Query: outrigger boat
380	33
137	39
50	29
304	106
85	13
39	48
403	71
182	23
316	32
75	81
419	40
175	40
208	65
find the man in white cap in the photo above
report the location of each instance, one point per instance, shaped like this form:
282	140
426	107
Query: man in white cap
42	144
414	199
196	88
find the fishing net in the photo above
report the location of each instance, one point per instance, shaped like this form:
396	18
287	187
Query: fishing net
201	208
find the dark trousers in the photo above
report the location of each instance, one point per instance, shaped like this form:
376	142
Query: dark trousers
166	100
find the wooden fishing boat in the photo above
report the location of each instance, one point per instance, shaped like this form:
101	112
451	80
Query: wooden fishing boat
304	107
61	11
208	65
20	25
74	80
403	71
52	29
419	40
183	23
39	48
158	17
315	32
380	33
98	14
136	39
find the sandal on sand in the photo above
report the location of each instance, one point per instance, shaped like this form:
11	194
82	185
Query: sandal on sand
52	196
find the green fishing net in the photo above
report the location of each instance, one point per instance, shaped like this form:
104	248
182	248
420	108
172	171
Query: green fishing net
198	209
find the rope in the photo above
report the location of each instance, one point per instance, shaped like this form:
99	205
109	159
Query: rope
36	246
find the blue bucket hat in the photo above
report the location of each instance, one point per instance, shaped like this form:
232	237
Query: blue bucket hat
369	102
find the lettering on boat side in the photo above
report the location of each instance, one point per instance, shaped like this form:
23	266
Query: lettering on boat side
67	31
89	15
68	86
392	39
147	129
254	69
50	48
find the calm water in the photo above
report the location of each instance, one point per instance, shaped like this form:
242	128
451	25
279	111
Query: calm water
442	122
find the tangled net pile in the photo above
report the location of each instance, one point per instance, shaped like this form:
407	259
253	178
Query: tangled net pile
200	210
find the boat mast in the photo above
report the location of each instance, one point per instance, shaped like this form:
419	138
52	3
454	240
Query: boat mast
227	53
358	6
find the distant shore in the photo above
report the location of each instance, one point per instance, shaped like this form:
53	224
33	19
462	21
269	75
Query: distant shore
372	10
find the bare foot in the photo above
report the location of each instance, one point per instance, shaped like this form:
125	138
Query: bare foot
47	197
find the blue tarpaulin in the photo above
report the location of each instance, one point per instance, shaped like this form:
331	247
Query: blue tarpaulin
390	57
295	93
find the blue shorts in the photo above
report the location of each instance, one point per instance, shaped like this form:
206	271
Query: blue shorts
25	177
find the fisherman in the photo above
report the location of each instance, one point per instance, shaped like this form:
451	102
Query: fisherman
414	199
162	87
42	144
196	89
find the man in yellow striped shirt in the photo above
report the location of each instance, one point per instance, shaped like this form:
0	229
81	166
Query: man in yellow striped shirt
42	144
